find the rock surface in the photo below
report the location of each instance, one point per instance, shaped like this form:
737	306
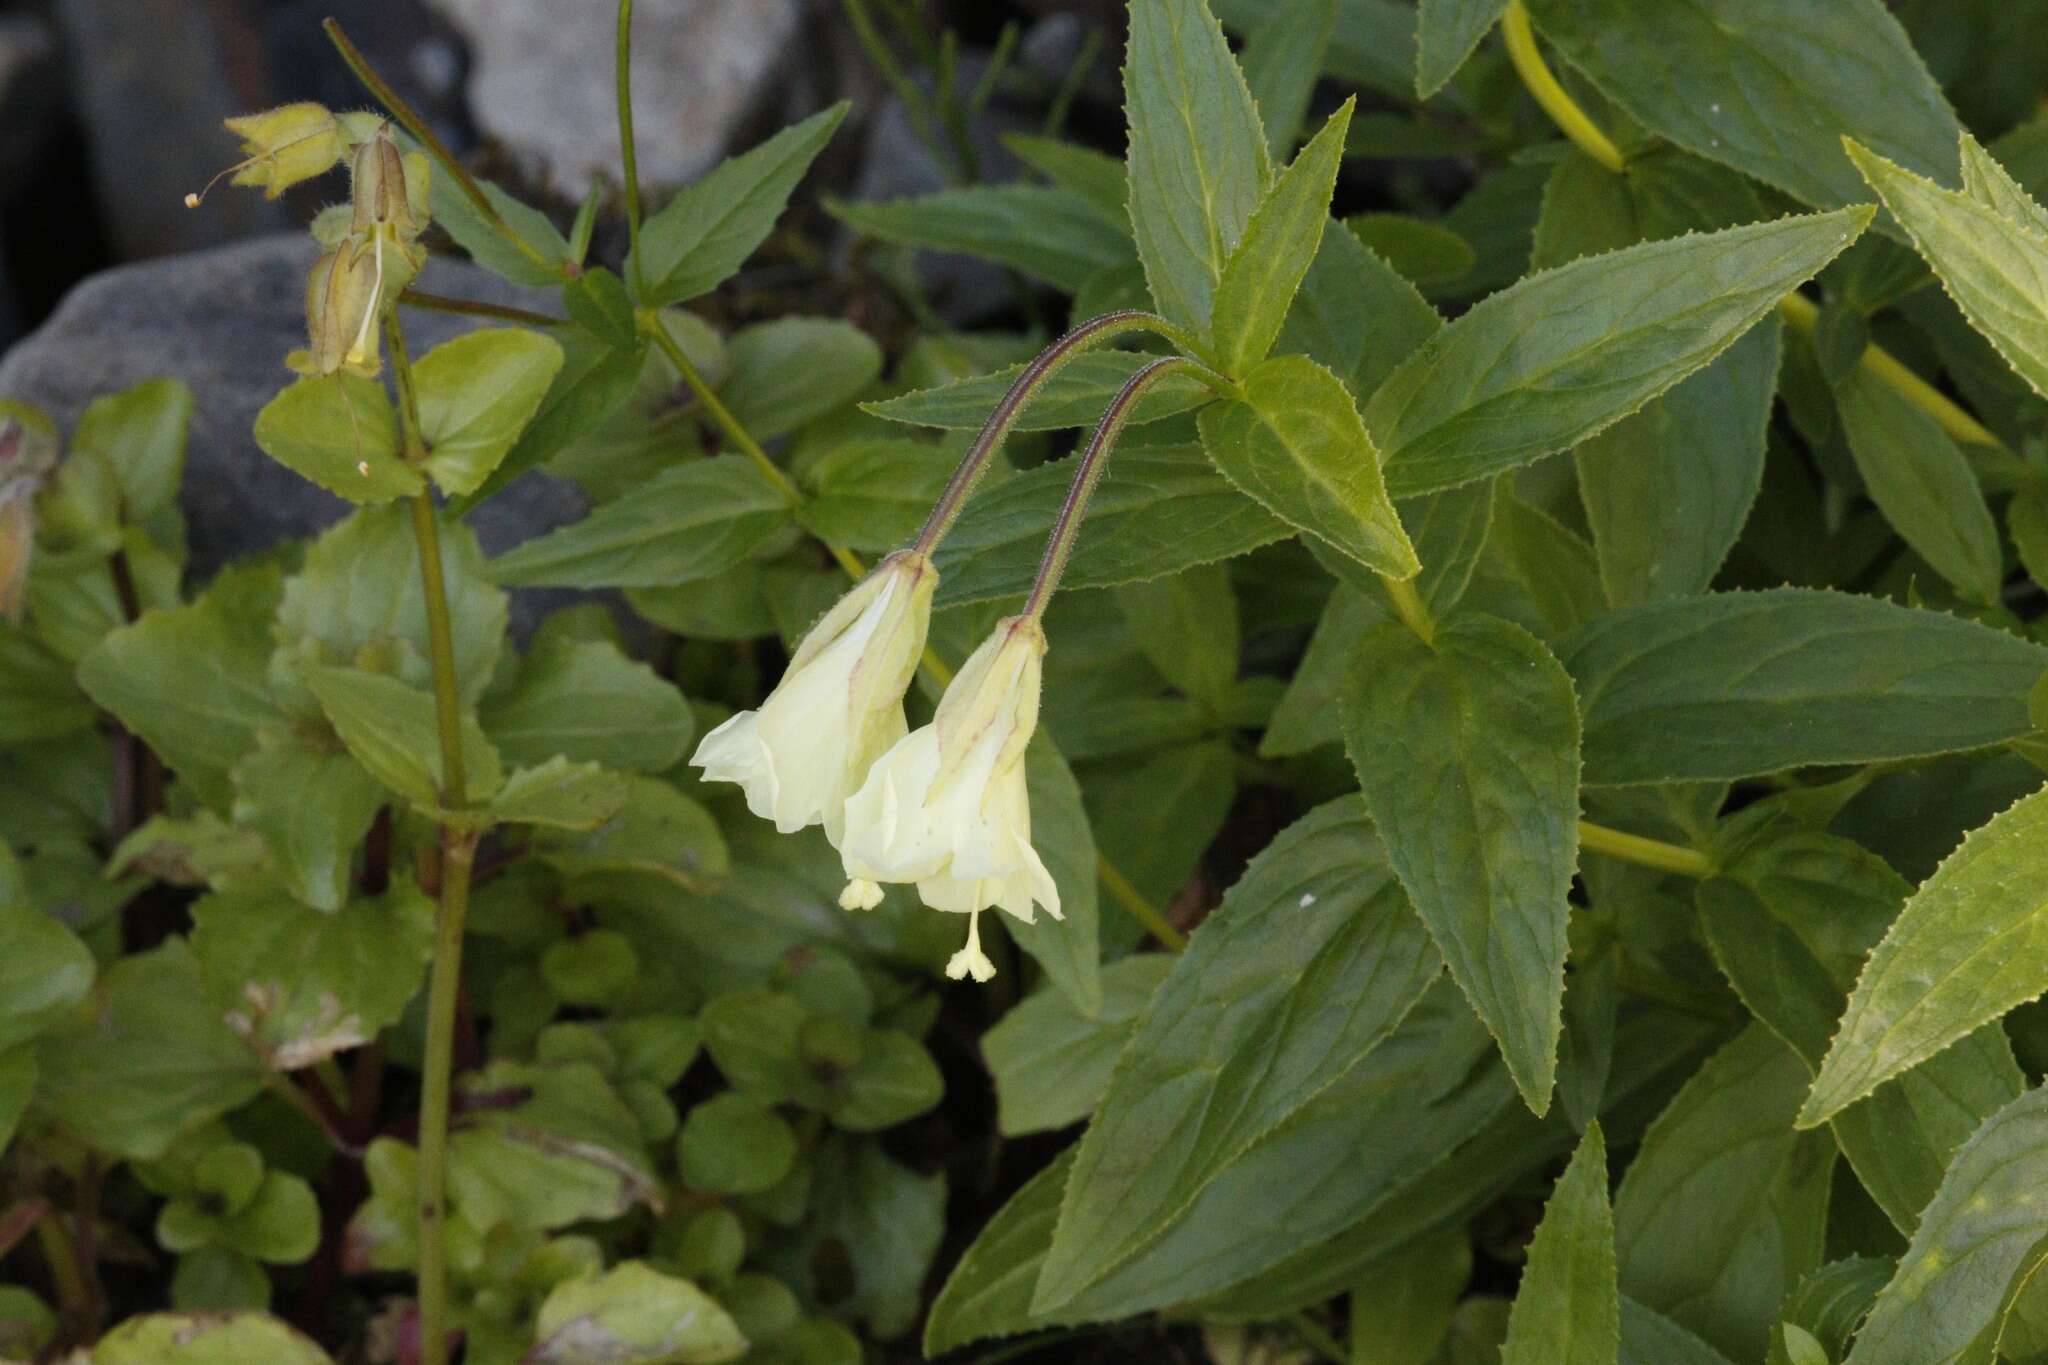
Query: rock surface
541	81
221	321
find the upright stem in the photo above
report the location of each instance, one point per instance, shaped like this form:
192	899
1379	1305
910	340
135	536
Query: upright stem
74	1294
409	119
458	854
989	439
628	156
1059	546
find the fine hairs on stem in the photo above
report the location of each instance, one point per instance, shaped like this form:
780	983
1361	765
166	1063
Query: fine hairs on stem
1048	362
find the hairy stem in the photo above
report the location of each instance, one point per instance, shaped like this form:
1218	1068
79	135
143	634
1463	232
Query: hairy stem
628	156
441	303
1059	546
1654	853
1004	415
409	119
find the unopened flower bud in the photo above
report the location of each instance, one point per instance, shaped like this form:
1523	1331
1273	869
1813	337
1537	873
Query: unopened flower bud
947	807
838	707
389	188
343	296
282	147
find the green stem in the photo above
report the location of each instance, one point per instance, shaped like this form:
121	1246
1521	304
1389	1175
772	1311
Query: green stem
1059	546
1140	909
74	1295
1048	362
1654	853
721	416
440	303
1797	309
458	854
628	157
410	120
444	988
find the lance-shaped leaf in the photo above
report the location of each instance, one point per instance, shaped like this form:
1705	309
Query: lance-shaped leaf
1312	959
1446	31
1283	58
1568	1311
1725	1206
1197	162
1552	360
584	700
1048	233
1260	278
476	395
1734	685
1771	98
1074	396
693	521
1292	438
1158	510
1467	749
1982	1238
1051	1062
1971	944
1992	260
706	232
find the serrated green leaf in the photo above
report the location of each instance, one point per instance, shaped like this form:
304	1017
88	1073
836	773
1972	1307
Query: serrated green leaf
1292	438
1356	315
1283	57
1567	1310
358	596
790	371
1051	1062
189	679
1725	1206
1096	176
706	232
1418	250
1318	917
1650	1338
1565	353
312	806
393	731
488	247
141	432
1158	510
1964	951
476	395
147	1059
1187	626
696	520
565	1149
873	495
1991	264
1261	275
1977	1243
989	1291
1739	684
1446	32
1771	99
561	794
592	385
301	985
1074	396
339	430
659	831
1667	490
1197	162
1069	949
1920	480
585	701
1467	751
1049	233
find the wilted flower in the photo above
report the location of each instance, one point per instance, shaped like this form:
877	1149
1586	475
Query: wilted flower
284	146
388	189
947	808
838	707
344	295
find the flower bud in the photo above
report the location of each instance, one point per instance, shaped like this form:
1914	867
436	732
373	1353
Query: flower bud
389	189
838	707
343	295
284	146
946	807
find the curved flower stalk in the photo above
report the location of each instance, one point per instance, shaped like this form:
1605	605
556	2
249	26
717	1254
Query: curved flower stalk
946	807
838	707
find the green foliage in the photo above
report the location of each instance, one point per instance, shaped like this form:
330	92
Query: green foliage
1572	797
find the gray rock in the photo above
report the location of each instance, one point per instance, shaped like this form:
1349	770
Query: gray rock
221	321
542	81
